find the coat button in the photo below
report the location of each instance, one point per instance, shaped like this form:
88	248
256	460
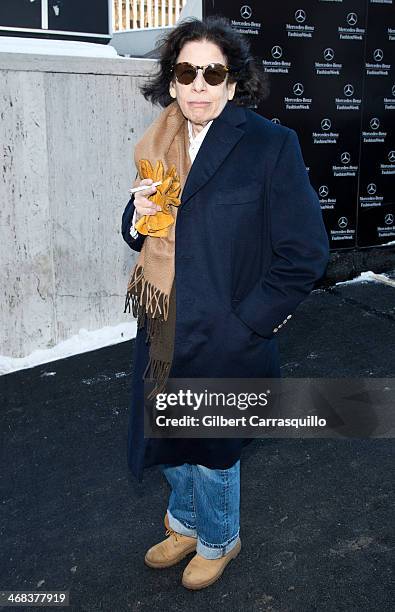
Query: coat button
289	316
275	329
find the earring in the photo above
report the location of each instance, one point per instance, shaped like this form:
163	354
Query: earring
172	93
231	93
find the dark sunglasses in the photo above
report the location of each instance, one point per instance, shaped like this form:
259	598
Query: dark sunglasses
213	74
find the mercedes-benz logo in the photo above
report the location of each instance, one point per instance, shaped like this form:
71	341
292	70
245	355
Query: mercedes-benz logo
326	124
352	19
300	16
329	54
342	222
298	89
374	123
391	157
277	52
276	120
348	90
246	11
345	157
378	55
389	219
371	189
323	191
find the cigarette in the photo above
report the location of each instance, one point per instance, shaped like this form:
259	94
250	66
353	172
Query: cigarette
142	187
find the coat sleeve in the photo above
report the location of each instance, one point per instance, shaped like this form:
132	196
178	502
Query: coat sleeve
127	219
299	243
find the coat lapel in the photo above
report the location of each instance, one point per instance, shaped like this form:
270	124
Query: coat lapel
219	141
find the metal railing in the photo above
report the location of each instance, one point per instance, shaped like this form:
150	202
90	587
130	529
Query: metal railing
139	14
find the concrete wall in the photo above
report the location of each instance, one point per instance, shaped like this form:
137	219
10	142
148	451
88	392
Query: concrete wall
68	126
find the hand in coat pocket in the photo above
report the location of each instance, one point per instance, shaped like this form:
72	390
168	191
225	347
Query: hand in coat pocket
236	322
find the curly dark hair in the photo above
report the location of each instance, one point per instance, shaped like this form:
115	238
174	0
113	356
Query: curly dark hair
252	82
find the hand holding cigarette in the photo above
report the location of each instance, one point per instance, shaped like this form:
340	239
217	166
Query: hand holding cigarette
142	204
143	187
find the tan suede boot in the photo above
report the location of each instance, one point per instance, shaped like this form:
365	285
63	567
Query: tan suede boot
201	572
170	551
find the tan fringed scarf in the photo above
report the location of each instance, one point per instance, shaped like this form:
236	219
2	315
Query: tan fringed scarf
161	154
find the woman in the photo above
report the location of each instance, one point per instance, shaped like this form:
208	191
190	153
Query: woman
226	254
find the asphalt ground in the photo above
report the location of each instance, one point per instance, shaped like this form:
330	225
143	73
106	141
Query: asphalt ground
316	518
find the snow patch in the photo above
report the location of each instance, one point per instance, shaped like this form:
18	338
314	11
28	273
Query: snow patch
41	46
82	342
369	276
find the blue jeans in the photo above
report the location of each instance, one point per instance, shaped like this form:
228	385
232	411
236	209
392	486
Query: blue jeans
205	504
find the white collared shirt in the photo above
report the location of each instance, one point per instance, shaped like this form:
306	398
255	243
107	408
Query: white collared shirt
195	142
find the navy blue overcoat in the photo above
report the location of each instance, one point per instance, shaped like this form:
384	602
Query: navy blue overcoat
250	246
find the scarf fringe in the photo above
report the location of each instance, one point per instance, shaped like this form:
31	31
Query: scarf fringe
141	301
152	299
159	370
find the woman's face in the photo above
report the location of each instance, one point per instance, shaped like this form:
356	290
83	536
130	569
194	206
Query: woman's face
199	101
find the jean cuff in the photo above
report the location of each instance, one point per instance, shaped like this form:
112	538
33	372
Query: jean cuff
216	551
180	527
